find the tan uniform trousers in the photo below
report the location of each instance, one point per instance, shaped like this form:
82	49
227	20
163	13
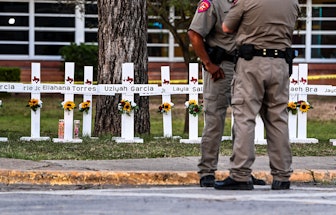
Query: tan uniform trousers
216	98
261	85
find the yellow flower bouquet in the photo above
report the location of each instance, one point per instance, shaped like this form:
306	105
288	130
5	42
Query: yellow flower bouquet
292	107
165	107
301	105
34	104
85	106
193	108
304	106
125	107
68	105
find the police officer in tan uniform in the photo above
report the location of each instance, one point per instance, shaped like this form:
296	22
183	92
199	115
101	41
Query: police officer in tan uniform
215	49
261	85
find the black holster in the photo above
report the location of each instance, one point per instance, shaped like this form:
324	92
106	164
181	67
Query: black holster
290	54
246	51
218	54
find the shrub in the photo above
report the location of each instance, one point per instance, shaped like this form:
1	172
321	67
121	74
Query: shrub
10	74
82	55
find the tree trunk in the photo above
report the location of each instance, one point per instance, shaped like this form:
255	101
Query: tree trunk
122	38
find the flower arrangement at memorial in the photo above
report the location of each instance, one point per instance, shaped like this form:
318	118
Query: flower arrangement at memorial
85	106
34	104
126	107
193	108
304	106
301	105
292	107
68	105
165	107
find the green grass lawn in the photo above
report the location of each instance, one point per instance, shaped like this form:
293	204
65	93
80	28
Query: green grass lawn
15	123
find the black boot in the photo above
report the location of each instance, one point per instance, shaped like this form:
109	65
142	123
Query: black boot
230	184
280	185
257	181
207	181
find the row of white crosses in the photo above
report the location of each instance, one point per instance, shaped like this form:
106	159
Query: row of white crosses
69	89
127	89
193	89
298	91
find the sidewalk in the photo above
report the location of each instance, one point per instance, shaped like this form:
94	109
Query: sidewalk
158	171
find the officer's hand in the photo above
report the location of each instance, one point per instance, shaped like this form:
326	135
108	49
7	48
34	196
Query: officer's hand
211	68
219	74
215	71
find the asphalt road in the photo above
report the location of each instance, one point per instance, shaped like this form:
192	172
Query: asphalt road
302	199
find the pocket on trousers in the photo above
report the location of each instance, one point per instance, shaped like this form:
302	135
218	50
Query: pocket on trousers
210	96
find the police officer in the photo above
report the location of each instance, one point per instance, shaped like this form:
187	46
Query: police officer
215	49
261	81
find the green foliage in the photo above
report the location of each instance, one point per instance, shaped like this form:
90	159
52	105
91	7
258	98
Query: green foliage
186	7
184	10
10	74
82	55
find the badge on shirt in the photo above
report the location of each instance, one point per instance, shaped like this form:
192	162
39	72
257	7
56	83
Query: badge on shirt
204	6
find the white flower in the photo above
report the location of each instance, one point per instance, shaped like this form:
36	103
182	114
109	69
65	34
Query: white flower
40	103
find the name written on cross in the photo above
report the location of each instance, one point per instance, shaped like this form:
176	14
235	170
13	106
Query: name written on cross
313	90
79	89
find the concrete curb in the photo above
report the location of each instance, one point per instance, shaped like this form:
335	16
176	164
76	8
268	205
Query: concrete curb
118	178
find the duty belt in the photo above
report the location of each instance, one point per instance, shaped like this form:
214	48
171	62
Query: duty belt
247	51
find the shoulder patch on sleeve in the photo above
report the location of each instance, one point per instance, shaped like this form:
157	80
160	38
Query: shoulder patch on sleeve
204	6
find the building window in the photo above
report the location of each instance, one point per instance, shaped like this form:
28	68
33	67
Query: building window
315	39
91	23
14	28
14	7
13	49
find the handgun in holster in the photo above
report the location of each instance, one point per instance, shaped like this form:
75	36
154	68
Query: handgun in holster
246	51
290	54
215	53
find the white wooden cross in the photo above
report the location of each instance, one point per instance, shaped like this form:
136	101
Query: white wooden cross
166	97
35	115
297	124
68	114
193	89
128	89
3	139
87	116
127	120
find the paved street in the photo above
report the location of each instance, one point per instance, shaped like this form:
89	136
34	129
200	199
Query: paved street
301	199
